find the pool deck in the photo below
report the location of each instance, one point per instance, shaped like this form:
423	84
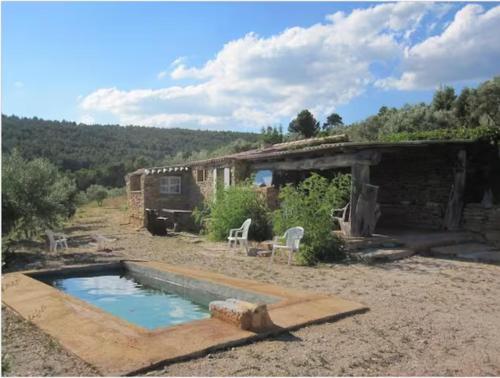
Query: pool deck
117	347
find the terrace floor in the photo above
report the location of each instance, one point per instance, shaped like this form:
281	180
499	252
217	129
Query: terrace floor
427	316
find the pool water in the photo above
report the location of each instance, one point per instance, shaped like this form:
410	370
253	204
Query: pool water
122	295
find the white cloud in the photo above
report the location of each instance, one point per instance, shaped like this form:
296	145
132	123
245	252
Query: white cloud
175	63
467	49
254	81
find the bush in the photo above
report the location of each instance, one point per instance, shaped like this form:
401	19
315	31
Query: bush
201	215
309	205
486	133
116	192
97	193
81	198
35	196
232	206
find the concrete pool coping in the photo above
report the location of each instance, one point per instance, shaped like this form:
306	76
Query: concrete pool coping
116	347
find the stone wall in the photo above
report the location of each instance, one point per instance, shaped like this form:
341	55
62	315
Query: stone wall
414	187
485	221
188	199
270	194
135	201
206	187
196	187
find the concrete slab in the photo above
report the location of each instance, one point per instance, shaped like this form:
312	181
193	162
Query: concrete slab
116	347
386	254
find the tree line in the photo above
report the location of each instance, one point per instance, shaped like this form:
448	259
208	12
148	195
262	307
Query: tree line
95	154
473	113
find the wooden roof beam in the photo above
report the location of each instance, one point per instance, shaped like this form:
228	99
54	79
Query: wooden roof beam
366	157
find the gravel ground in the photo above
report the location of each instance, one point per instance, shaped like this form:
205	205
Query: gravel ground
427	316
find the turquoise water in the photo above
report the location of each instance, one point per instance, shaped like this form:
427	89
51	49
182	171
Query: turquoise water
125	297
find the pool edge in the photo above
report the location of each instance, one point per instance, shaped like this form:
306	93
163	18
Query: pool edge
145	350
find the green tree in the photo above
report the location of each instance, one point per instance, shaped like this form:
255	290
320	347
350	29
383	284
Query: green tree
35	196
304	124
97	193
271	135
443	98
333	122
487	103
462	107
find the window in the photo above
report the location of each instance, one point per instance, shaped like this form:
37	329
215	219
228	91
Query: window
201	175
170	185
263	178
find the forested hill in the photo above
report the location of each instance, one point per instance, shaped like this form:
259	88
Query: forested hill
97	150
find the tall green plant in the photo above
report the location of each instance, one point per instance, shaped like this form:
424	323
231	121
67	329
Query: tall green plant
309	205
35	196
232	206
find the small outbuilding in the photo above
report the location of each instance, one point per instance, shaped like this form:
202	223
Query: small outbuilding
414	184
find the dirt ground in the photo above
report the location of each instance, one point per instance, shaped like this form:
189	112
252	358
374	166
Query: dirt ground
427	316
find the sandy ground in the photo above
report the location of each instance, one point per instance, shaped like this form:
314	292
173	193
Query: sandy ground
427	316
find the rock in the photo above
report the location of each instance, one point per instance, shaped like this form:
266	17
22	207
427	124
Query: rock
264	253
252	252
245	315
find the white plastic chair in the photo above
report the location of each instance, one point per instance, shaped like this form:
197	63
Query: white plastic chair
239	235
56	239
292	237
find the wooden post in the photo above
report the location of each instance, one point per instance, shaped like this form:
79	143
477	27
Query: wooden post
367	210
453	214
360	174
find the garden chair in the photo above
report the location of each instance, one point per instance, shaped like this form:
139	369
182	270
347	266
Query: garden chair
240	235
343	220
56	239
292	238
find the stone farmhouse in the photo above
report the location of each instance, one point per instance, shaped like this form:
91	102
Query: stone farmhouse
417	184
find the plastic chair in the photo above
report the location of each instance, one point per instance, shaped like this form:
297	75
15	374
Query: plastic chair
56	239
292	237
239	235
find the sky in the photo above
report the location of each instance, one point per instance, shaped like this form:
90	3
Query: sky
237	66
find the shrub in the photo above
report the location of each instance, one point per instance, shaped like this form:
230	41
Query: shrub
309	205
81	198
201	215
97	193
35	196
116	192
232	206
485	133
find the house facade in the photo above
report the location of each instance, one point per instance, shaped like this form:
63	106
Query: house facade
419	184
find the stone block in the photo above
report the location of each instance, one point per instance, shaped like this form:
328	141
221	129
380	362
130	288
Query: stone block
245	315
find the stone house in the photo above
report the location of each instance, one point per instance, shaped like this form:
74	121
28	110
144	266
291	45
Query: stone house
421	184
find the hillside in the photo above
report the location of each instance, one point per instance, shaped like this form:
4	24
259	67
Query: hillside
94	152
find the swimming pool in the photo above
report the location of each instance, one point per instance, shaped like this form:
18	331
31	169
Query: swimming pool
116	346
122	294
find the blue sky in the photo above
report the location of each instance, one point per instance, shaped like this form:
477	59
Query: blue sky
196	65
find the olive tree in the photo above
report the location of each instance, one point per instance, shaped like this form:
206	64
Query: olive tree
35	195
